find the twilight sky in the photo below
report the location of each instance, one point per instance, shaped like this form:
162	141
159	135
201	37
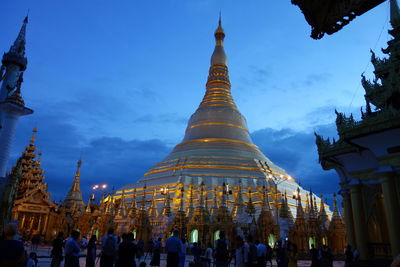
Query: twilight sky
116	81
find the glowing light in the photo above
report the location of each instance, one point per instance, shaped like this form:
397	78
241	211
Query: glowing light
104	186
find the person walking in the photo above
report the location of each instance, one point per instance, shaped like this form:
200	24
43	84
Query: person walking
126	252
155	260
12	252
268	257
348	256
57	251
281	255
109	245
91	252
252	256
72	250
314	256
261	254
182	254
174	247
241	253
32	261
208	255
293	255
221	251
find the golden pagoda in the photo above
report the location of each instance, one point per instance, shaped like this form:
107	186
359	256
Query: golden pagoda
216	165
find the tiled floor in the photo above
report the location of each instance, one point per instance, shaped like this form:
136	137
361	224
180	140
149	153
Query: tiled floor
44	251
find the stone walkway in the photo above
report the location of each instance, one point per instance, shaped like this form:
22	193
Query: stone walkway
44	260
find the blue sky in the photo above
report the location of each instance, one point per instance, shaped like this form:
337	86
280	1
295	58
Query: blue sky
118	81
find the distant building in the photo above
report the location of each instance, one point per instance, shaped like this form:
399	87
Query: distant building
367	157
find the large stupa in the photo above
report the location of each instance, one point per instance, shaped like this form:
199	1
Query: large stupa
217	151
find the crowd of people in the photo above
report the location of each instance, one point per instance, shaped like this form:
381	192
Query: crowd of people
124	251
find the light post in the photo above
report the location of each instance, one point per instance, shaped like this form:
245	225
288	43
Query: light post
102	188
278	179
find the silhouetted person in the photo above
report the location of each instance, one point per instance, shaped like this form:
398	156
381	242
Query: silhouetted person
91	252
155	260
221	251
109	245
72	250
174	247
12	252
127	252
348	256
57	251
314	256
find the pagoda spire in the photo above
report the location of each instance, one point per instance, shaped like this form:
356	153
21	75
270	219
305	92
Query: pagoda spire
74	196
88	210
214	208
322	216
238	208
18	47
394	14
133	207
250	209
190	208
336	212
32	175
300	211
153	211
122	206
166	211
12	105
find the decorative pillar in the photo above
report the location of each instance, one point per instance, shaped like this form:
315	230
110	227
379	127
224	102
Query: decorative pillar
348	218
393	208
360	222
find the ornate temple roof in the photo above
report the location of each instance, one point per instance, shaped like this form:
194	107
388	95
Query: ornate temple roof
28	168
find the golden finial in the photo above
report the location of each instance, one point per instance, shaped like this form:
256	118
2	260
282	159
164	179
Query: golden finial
219	32
34	131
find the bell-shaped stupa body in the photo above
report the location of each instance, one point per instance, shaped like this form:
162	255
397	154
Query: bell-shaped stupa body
217	146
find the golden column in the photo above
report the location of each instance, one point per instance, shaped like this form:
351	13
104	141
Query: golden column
392	207
360	224
348	218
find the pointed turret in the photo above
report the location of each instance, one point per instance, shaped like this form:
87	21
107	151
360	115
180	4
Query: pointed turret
12	105
214	208
152	212
300	211
88	209
238	208
323	216
166	211
18	48
122	206
250	209
133	206
284	211
74	196
32	174
190	208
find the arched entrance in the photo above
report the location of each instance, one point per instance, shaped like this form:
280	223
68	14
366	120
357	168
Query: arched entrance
194	236
311	241
271	240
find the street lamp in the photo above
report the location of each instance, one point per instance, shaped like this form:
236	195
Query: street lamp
278	179
102	188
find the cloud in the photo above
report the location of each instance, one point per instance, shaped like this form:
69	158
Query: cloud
296	152
109	160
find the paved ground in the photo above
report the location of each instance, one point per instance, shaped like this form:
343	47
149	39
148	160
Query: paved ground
44	252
